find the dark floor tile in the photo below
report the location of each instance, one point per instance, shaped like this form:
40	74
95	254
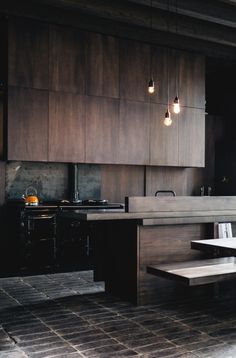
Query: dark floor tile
13	354
220	351
47	347
79	340
155	347
169	352
53	352
52	320
96	344
110	350
140	342
203	344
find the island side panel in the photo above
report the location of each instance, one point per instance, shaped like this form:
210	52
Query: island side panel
166	244
116	262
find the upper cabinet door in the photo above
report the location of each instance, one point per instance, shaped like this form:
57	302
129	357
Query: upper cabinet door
163	139
191	79
163	72
67	60
101	129
27	124
103	65
134	70
192	137
133	133
66	127
28	54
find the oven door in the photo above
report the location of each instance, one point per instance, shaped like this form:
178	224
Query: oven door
39	241
41	226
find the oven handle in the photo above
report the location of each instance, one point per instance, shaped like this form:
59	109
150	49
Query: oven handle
41	217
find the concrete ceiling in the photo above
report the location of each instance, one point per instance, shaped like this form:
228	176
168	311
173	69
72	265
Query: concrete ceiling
208	26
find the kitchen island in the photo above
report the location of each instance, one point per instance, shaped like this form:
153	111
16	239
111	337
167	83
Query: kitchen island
151	231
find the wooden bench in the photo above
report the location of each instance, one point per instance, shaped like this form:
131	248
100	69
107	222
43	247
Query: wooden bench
198	272
201	272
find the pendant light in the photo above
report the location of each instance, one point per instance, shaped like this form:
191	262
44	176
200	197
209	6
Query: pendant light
176	103
167	121
151	84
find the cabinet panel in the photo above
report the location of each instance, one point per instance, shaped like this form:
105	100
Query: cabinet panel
118	181
134	70
192	137
103	65
27	124
66	127
163	71
28	54
133	133
163	139
192	80
67	59
101	130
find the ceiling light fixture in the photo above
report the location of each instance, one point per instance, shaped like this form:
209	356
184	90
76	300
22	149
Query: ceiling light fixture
176	103
151	84
167	120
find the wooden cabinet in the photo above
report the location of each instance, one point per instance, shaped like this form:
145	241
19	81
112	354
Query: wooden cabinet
99	108
67	59
192	80
163	70
28	53
103	65
163	139
133	133
102	122
192	137
66	127
134	70
27	124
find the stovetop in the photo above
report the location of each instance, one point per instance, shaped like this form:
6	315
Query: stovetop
93	204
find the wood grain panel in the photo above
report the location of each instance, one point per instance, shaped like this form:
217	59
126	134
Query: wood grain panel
103	65
139	204
192	137
133	133
134	70
28	53
27	124
164	178
163	139
67	59
184	181
163	69
118	181
165	244
66	127
102	124
170	243
192	80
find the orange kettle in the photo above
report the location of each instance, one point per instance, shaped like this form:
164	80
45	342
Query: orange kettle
30	196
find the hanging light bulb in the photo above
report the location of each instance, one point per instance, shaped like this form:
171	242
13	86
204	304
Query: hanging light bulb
151	86
167	120
176	105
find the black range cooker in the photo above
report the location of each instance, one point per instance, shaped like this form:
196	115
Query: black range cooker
40	240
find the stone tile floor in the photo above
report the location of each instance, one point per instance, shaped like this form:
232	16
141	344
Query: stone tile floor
67	315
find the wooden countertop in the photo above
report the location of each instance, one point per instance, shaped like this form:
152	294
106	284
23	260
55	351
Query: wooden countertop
154	218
